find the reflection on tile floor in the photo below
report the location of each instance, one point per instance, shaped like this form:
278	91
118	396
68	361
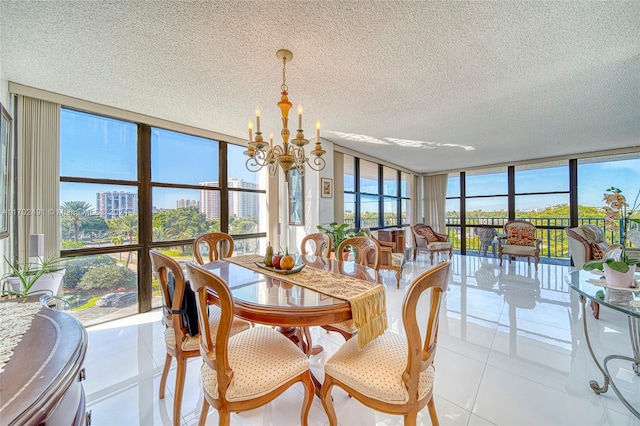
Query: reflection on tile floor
511	351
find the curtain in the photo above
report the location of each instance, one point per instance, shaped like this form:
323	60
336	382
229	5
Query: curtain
435	198
38	174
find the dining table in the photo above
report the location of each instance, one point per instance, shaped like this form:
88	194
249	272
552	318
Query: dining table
292	302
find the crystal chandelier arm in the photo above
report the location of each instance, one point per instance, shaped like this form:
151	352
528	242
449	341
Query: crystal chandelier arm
257	161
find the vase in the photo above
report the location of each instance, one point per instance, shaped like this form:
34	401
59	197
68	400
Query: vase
47	283
619	279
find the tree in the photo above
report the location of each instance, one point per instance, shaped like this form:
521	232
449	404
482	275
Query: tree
79	266
245	225
110	277
94	226
76	211
182	223
127	225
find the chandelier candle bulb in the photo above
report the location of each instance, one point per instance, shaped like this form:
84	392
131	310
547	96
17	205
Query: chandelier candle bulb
300	116
250	131
318	131
271	140
257	119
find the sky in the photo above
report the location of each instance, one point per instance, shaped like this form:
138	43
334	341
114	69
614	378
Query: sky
99	147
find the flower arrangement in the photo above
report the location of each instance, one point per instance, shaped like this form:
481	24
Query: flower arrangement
617	209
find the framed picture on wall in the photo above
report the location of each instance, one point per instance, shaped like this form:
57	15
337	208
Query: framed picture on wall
296	198
5	146
326	188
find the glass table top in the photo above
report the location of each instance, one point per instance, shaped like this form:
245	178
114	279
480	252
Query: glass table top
592	286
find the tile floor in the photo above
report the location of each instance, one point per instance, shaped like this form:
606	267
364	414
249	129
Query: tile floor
511	351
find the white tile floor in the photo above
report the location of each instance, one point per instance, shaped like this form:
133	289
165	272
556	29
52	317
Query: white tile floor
511	351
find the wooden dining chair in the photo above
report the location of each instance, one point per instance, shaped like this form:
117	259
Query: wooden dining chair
394	373
321	244
216	242
250	369
180	318
367	251
367	254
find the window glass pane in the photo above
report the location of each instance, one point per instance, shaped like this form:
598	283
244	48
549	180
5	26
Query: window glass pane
247	212
390	181
97	215
180	158
349	209
453	212
368	177
453	185
549	177
237	171
405	216
369	211
595	176
406	185
349	174
97	147
486	182
390	209
544	209
249	246
179	213
487	211
102	287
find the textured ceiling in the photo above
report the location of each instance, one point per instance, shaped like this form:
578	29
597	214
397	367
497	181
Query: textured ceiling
427	85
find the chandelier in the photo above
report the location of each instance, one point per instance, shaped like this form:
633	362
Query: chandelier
290	155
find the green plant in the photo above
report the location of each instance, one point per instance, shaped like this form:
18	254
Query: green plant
28	273
339	233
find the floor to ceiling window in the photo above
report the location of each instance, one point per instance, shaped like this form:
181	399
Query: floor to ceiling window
540	193
376	196
126	188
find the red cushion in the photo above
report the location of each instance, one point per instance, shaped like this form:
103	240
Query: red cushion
428	234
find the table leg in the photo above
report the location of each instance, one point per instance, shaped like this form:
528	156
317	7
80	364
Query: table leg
301	336
634	336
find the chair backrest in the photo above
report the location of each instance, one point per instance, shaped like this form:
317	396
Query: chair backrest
172	308
214	353
422	351
367	251
586	242
213	240
520	233
486	235
418	242
322	244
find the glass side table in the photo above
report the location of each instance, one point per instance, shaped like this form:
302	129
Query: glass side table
626	301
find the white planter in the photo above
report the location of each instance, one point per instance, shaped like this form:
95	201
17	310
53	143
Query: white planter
619	279
47	283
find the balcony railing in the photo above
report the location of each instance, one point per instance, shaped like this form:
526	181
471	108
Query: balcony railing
555	244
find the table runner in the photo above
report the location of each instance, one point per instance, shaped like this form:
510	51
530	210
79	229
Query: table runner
15	320
367	299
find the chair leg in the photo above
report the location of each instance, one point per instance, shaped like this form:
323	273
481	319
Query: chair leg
309	393
327	403
398	275
203	412
224	416
177	402
165	373
415	252
431	256
410	418
432	412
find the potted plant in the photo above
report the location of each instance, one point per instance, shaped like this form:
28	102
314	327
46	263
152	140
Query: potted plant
339	233
617	271
44	276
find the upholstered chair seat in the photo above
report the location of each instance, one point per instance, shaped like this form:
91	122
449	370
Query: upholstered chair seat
395	372
252	355
519	240
427	240
376	370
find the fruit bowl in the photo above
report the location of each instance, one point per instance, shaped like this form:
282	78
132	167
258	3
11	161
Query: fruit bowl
295	269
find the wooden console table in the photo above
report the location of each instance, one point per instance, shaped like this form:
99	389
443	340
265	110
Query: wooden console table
393	236
41	383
